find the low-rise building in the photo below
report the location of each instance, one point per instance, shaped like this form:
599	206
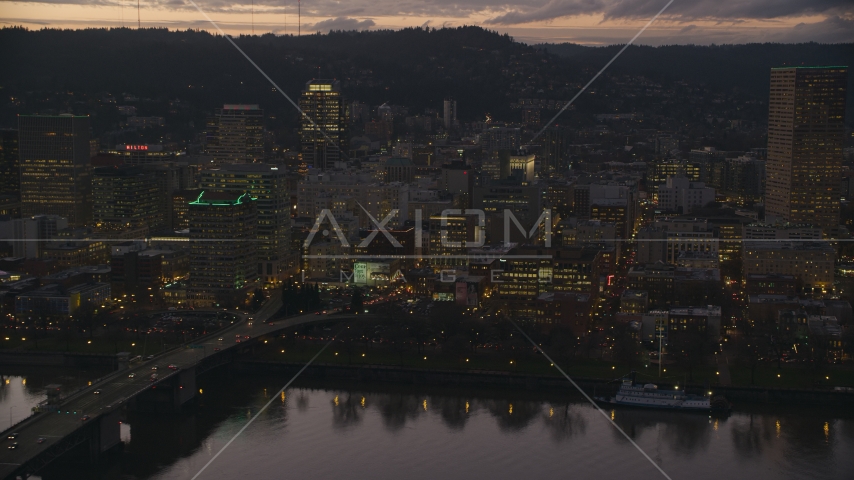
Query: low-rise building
811	263
826	337
56	301
694	320
681	195
770	284
634	301
570	309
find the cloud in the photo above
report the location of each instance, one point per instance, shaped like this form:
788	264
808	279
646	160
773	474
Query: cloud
685	21
833	29
679	10
553	9
514	12
342	23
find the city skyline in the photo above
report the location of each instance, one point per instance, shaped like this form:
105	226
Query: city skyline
193	235
603	22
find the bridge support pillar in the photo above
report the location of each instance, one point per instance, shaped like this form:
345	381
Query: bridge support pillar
105	435
186	387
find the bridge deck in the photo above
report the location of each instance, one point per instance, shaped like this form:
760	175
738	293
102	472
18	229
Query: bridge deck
118	389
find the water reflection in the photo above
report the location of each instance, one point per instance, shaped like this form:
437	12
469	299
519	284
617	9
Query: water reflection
346	410
751	434
564	421
398	408
683	432
514	415
382	432
454	411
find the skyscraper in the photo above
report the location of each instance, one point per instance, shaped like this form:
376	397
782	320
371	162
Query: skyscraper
127	194
553	153
223	262
268	186
10	175
806	117
55	167
235	134
324	113
450	113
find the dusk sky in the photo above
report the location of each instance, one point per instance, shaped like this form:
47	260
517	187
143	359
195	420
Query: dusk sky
592	22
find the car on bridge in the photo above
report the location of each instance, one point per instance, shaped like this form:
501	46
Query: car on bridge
13	445
12	436
84	418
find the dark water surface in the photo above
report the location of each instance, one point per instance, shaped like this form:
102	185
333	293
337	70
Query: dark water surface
333	430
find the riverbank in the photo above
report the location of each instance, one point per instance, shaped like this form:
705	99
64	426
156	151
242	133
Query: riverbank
532	382
528	361
58	359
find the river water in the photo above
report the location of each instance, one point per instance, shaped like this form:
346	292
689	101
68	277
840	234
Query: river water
330	430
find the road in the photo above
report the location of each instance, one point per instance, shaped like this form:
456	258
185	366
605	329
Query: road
115	390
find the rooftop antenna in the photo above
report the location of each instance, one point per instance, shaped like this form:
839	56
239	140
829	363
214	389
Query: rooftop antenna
299	17
253	17
138	22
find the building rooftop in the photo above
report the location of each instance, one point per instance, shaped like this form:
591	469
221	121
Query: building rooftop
398	162
769	276
221	198
635	294
771	299
710	310
824	326
564	296
799	245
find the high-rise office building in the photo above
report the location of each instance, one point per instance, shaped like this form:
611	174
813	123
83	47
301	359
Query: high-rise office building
553	151
127	194
223	258
323	127
268	187
29	235
450	238
10	174
180	202
171	177
55	167
450	113
806	126
235	134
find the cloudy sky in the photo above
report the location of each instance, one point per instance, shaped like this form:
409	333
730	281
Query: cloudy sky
592	22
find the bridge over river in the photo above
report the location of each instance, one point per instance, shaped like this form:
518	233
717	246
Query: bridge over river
65	429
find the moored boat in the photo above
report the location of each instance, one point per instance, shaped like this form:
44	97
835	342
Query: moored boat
650	396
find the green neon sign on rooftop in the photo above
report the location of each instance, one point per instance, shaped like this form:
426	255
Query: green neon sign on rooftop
237	201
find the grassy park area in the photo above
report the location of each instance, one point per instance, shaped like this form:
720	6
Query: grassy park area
527	362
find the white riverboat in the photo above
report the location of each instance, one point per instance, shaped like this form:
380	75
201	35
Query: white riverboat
650	396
